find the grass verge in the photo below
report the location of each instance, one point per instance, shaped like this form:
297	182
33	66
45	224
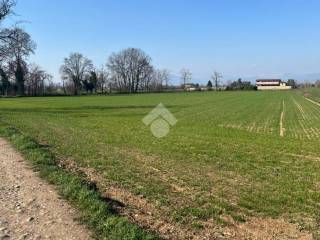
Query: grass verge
95	212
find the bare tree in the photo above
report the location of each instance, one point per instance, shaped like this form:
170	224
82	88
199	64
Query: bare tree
21	44
160	78
93	79
16	46
36	80
51	87
5	34
307	84
166	77
130	68
74	69
155	83
216	79
17	50
6	8
163	77
103	79
5	80
186	76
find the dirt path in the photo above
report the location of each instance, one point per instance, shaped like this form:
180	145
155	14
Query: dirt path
29	207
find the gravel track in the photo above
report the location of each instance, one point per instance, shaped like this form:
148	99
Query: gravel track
30	208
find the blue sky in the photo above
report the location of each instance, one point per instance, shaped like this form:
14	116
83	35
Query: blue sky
247	38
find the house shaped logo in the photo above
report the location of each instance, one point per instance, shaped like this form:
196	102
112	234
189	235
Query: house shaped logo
160	119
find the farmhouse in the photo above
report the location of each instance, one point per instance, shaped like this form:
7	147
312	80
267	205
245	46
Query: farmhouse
272	84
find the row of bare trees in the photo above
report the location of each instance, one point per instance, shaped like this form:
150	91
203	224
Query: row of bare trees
17	76
128	71
186	77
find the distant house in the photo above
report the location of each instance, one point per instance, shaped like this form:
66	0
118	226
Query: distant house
272	84
190	87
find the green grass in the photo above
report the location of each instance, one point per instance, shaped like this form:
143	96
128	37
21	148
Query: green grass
313	93
224	156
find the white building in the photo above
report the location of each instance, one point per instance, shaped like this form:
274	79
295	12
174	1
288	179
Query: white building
272	84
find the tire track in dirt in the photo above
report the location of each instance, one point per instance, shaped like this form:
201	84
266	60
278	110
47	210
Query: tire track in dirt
282	129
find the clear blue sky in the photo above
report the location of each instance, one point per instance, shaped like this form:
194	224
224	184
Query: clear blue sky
247	38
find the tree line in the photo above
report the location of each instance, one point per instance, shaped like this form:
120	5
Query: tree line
18	76
127	71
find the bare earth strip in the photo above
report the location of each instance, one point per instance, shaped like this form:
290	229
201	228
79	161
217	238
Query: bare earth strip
314	158
29	207
281	121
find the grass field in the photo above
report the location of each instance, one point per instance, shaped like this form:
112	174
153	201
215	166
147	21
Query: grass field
231	156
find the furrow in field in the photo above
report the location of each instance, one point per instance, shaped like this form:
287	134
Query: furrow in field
252	127
304	121
265	128
296	135
259	118
315	132
303	114
306	131
312	117
314	111
310	157
315	117
314	102
259	129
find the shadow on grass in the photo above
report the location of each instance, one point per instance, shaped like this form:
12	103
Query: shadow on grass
115	206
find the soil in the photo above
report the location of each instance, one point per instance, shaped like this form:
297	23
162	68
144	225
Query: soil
30	208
